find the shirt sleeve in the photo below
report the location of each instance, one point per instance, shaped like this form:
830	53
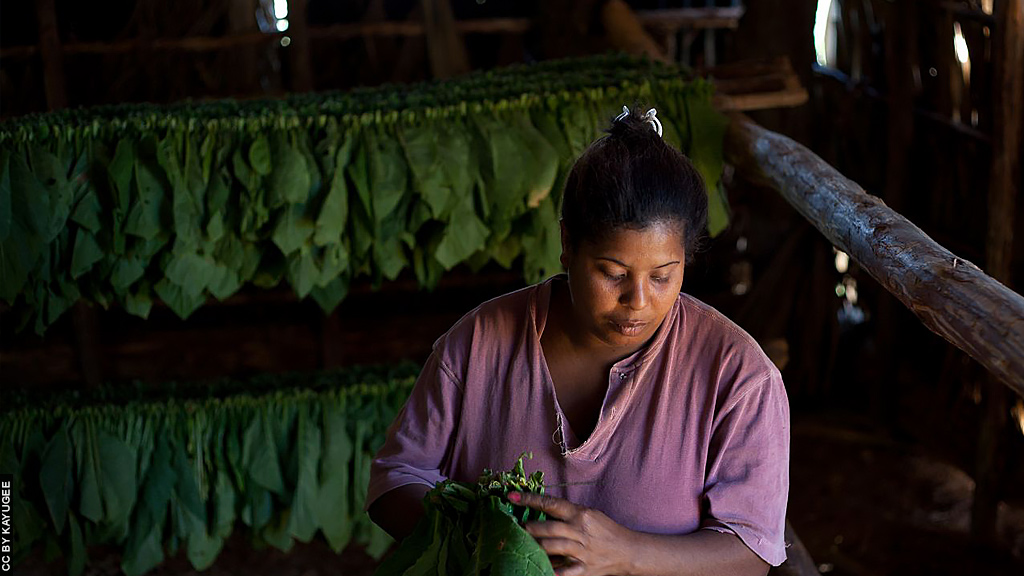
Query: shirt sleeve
419	439
747	482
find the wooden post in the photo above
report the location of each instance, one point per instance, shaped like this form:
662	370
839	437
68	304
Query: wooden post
900	57
298	49
625	31
242	61
1008	93
950	295
84	319
445	47
53	58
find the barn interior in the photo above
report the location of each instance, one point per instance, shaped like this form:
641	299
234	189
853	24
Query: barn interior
868	158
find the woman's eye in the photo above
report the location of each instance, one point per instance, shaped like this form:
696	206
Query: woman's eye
659	279
612	276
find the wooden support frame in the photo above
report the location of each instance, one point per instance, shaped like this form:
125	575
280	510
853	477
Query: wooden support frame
950	295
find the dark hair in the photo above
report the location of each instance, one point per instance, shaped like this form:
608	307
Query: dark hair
631	178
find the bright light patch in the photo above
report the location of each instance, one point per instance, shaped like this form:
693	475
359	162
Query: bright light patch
960	45
282	25
824	41
842	261
281	9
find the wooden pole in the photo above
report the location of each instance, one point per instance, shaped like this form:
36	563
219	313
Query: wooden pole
1008	94
951	296
298	48
445	46
626	33
84	319
53	58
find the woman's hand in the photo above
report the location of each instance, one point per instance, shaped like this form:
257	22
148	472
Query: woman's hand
595	543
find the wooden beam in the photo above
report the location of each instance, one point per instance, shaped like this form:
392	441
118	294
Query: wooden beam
951	296
53	58
334	32
1008	122
674	19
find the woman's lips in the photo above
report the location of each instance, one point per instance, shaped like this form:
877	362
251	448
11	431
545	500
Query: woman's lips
633	328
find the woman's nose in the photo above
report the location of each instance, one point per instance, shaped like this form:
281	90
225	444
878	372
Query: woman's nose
636	295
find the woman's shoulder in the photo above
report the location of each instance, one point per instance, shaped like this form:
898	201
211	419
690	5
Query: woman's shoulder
491	329
710	334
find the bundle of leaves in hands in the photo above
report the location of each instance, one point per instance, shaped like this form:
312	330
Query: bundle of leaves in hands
473	529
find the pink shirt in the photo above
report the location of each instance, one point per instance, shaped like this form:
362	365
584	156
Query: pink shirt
693	433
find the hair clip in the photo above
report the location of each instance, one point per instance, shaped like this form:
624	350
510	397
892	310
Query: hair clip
651	117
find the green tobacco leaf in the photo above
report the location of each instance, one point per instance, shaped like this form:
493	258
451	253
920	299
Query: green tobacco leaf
464	235
259	155
333	493
542	246
543	162
30	201
504	166
77	556
333	217
260	456
302	273
358	171
503	548
424	154
56	478
330	295
143	550
192	272
144	218
707	130
88	211
117	476
139	302
304	518
390	257
387	173
333	261
20	251
5	196
87	252
127	270
293	229
182	303
120	172
289	183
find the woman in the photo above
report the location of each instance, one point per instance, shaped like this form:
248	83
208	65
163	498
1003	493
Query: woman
661	427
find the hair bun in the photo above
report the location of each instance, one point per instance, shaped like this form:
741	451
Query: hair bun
634	123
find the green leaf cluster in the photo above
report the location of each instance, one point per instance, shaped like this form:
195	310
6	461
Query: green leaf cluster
473	530
125	205
152	477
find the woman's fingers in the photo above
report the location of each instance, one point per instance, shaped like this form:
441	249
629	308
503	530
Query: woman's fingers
555	507
576	569
552	529
561	547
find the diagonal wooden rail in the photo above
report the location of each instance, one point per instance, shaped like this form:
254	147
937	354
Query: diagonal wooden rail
951	296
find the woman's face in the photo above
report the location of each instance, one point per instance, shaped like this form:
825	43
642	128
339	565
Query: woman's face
623	285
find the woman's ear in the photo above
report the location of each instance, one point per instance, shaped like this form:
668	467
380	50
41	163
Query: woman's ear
566	247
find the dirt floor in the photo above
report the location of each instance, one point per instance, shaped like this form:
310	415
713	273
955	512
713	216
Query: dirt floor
861	503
